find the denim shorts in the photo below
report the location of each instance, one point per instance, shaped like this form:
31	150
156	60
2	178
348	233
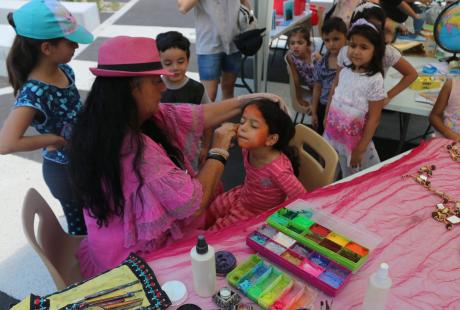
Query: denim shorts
211	66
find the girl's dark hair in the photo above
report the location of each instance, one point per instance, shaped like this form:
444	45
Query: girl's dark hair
281	124
23	57
173	39
375	12
377	40
109	114
304	31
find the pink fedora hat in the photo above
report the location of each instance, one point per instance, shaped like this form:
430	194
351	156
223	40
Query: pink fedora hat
128	56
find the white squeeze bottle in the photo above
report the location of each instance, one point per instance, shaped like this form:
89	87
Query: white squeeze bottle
203	268
377	291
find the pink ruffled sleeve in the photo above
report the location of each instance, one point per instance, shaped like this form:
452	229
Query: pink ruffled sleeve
154	212
184	124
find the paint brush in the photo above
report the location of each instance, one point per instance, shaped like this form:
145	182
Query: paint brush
110	300
127	304
106	291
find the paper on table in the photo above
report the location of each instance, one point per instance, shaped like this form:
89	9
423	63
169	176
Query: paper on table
427	96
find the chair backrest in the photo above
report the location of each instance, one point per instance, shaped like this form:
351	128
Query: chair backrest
296	106
55	247
312	174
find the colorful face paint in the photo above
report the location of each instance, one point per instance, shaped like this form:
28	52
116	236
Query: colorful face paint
253	130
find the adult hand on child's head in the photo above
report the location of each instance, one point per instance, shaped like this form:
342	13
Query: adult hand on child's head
223	135
244	99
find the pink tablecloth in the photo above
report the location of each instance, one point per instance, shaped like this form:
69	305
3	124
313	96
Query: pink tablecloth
424	257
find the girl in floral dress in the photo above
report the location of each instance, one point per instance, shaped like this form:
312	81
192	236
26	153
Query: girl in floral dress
299	58
357	101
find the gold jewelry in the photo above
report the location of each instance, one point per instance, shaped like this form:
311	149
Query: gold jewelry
453	151
446	212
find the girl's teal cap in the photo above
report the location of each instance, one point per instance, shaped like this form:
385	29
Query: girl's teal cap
48	19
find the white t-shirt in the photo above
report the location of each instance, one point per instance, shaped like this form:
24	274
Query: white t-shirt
216	26
391	57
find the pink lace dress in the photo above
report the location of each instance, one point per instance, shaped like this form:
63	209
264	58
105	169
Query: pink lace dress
263	188
347	116
162	210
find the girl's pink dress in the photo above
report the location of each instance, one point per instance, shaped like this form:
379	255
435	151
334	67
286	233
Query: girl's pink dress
161	211
263	188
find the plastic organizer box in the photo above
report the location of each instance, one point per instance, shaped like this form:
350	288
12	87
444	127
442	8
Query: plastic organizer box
268	286
302	261
345	243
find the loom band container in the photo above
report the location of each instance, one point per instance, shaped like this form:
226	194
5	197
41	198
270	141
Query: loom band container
337	231
297	297
282	284
242	269
271	276
250	278
310	268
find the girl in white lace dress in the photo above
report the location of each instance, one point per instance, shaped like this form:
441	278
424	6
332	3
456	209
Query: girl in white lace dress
354	111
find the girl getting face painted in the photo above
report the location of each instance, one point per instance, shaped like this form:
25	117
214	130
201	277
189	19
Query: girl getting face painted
253	131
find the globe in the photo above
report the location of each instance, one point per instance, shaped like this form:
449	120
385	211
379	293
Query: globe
447	29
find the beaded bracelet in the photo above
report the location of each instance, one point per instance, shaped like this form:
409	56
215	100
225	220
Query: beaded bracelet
217	157
219	151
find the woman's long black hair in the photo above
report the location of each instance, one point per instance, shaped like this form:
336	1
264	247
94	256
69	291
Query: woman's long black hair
377	40
281	124
109	114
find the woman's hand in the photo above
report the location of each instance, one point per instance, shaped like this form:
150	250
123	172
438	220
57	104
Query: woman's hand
244	99
356	158
223	135
57	144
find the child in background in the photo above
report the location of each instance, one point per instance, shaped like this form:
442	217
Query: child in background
354	112
300	60
174	51
445	116
271	166
374	14
334	35
46	95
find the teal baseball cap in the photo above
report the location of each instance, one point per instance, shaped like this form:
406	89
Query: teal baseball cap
49	19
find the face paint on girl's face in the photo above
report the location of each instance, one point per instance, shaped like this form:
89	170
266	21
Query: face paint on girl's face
253	130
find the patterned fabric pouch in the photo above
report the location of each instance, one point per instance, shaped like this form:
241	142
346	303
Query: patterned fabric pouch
135	280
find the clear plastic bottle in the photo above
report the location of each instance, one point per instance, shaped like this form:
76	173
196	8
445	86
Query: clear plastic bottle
203	268
377	290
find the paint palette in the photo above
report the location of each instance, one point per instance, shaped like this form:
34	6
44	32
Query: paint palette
301	260
268	286
319	232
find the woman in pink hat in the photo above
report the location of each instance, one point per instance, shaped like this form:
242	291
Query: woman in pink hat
130	157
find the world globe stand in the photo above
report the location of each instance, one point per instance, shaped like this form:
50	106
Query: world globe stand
446	31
